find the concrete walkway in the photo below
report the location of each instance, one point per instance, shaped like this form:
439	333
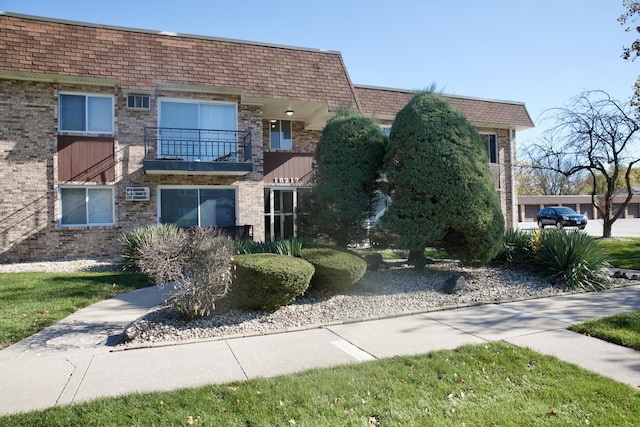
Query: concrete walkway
75	361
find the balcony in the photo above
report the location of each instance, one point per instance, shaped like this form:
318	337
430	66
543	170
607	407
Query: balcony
196	151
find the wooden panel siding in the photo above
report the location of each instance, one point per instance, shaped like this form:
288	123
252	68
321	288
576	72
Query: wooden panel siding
86	159
292	169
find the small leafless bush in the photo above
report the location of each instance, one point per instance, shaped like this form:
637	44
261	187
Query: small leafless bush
197	262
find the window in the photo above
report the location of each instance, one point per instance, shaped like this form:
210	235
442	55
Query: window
490	142
92	206
85	113
139	102
386	129
205	207
280	132
209	130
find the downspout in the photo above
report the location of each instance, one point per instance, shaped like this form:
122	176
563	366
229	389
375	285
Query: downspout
514	191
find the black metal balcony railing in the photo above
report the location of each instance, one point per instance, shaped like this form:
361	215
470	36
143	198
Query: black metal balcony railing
197	145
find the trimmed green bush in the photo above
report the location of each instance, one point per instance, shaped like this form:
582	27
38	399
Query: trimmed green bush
438	178
573	259
336	269
347	161
267	281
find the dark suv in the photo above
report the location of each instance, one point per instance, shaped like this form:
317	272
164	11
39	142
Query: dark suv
561	216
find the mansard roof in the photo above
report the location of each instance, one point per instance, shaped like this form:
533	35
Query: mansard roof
386	102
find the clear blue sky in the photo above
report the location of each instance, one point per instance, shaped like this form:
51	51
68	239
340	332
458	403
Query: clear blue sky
540	52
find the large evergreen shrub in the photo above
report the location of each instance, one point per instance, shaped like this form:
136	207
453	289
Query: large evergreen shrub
441	189
335	270
267	281
347	161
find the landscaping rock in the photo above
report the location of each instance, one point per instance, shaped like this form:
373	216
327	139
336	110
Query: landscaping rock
455	284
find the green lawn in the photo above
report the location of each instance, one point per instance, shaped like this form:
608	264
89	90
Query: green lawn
623	252
622	329
30	302
476	385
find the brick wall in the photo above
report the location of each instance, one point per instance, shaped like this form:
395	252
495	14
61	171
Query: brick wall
304	141
501	173
26	174
29	184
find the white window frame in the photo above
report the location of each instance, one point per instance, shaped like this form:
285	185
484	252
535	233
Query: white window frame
199	102
196	187
86	107
87	188
279	122
488	148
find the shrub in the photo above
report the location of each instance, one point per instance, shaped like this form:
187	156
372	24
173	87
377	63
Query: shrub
573	259
438	178
346	165
198	264
268	281
134	240
518	248
336	269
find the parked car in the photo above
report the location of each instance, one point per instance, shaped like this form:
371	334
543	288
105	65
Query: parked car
561	216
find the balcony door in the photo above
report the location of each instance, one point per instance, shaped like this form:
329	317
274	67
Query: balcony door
197	131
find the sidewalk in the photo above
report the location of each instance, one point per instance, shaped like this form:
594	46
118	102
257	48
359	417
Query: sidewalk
73	360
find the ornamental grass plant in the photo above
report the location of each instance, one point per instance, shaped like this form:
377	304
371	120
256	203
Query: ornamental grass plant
566	258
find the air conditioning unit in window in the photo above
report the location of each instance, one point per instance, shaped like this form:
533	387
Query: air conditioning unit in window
138	102
138	194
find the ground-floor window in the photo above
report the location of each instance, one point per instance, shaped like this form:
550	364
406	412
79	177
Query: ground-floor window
280	212
88	206
193	206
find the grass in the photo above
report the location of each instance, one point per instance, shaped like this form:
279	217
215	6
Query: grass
489	384
30	302
622	329
623	252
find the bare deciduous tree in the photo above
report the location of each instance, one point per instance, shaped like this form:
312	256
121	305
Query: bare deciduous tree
538	180
598	136
632	52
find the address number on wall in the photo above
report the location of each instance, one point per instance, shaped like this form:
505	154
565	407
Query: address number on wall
285	180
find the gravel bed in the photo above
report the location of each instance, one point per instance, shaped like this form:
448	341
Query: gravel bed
396	290
103	264
399	289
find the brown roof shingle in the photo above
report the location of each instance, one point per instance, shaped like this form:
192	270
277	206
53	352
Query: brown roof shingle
139	59
387	102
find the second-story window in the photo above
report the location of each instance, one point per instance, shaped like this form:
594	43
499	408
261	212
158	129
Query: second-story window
85	113
490	141
197	130
280	131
